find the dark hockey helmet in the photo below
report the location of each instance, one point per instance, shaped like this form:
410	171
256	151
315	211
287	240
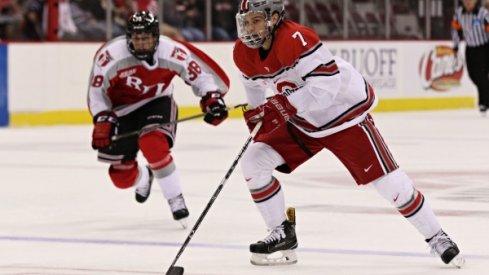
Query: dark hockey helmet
265	7
142	22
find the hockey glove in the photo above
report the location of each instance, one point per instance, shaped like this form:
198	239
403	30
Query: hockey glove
213	105
252	117
105	124
274	113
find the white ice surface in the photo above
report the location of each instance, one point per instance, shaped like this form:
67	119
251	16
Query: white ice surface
60	214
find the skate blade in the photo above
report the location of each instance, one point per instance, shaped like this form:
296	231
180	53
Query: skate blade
175	270
183	223
284	257
458	261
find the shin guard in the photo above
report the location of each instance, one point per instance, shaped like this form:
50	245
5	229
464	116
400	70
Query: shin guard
124	175
155	148
398	189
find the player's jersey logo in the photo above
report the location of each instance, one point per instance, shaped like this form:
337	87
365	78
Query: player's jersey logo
137	84
104	59
127	73
286	87
179	54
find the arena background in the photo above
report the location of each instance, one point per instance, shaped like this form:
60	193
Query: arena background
406	55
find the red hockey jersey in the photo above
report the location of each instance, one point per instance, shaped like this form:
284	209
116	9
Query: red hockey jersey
329	94
121	83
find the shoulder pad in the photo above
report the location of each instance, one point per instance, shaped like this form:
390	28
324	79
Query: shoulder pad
293	40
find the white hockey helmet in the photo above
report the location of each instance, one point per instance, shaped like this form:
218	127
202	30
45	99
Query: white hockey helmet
265	7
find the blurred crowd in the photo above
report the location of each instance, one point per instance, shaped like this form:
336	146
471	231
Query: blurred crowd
86	20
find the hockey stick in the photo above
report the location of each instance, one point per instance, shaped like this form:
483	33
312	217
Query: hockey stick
178	270
137	132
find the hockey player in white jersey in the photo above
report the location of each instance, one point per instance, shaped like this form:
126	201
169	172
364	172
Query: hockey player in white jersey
130	90
320	102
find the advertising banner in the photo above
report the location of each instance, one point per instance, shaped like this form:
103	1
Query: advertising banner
408	69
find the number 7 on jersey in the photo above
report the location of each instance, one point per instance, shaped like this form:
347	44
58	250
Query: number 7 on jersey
298	34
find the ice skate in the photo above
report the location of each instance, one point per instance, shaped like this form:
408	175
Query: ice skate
444	247
179	210
483	110
278	247
144	189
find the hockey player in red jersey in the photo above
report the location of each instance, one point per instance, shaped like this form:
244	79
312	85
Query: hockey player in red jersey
320	102
130	89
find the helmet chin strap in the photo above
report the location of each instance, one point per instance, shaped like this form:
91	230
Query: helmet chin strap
150	60
270	30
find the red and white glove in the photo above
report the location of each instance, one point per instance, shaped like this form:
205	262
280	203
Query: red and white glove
274	113
104	127
213	105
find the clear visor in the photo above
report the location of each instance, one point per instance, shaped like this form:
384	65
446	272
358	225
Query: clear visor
253	28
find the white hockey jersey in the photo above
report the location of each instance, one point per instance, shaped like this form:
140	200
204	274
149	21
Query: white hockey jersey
328	93
121	83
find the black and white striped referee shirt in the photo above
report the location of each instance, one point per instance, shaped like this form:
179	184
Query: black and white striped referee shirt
473	27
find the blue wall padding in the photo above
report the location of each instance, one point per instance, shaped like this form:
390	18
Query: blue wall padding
4	116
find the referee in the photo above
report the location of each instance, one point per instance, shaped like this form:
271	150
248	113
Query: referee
471	23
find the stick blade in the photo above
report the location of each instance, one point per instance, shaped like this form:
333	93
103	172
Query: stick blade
175	270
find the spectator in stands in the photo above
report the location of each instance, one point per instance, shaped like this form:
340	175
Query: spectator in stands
193	19
10	19
121	10
223	20
170	31
31	28
90	18
67	29
146	5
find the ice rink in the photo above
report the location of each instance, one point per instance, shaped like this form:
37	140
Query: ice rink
60	214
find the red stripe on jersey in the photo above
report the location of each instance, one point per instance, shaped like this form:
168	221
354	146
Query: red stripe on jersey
304	124
358	110
328	69
209	61
266	192
345	117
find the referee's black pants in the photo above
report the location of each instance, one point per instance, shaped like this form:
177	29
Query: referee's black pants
477	59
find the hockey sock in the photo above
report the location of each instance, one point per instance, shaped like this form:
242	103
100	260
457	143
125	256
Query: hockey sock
419	213
270	202
156	150
143	176
258	164
124	175
398	189
170	185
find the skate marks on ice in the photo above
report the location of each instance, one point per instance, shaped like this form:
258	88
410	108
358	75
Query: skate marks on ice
82	226
304	253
